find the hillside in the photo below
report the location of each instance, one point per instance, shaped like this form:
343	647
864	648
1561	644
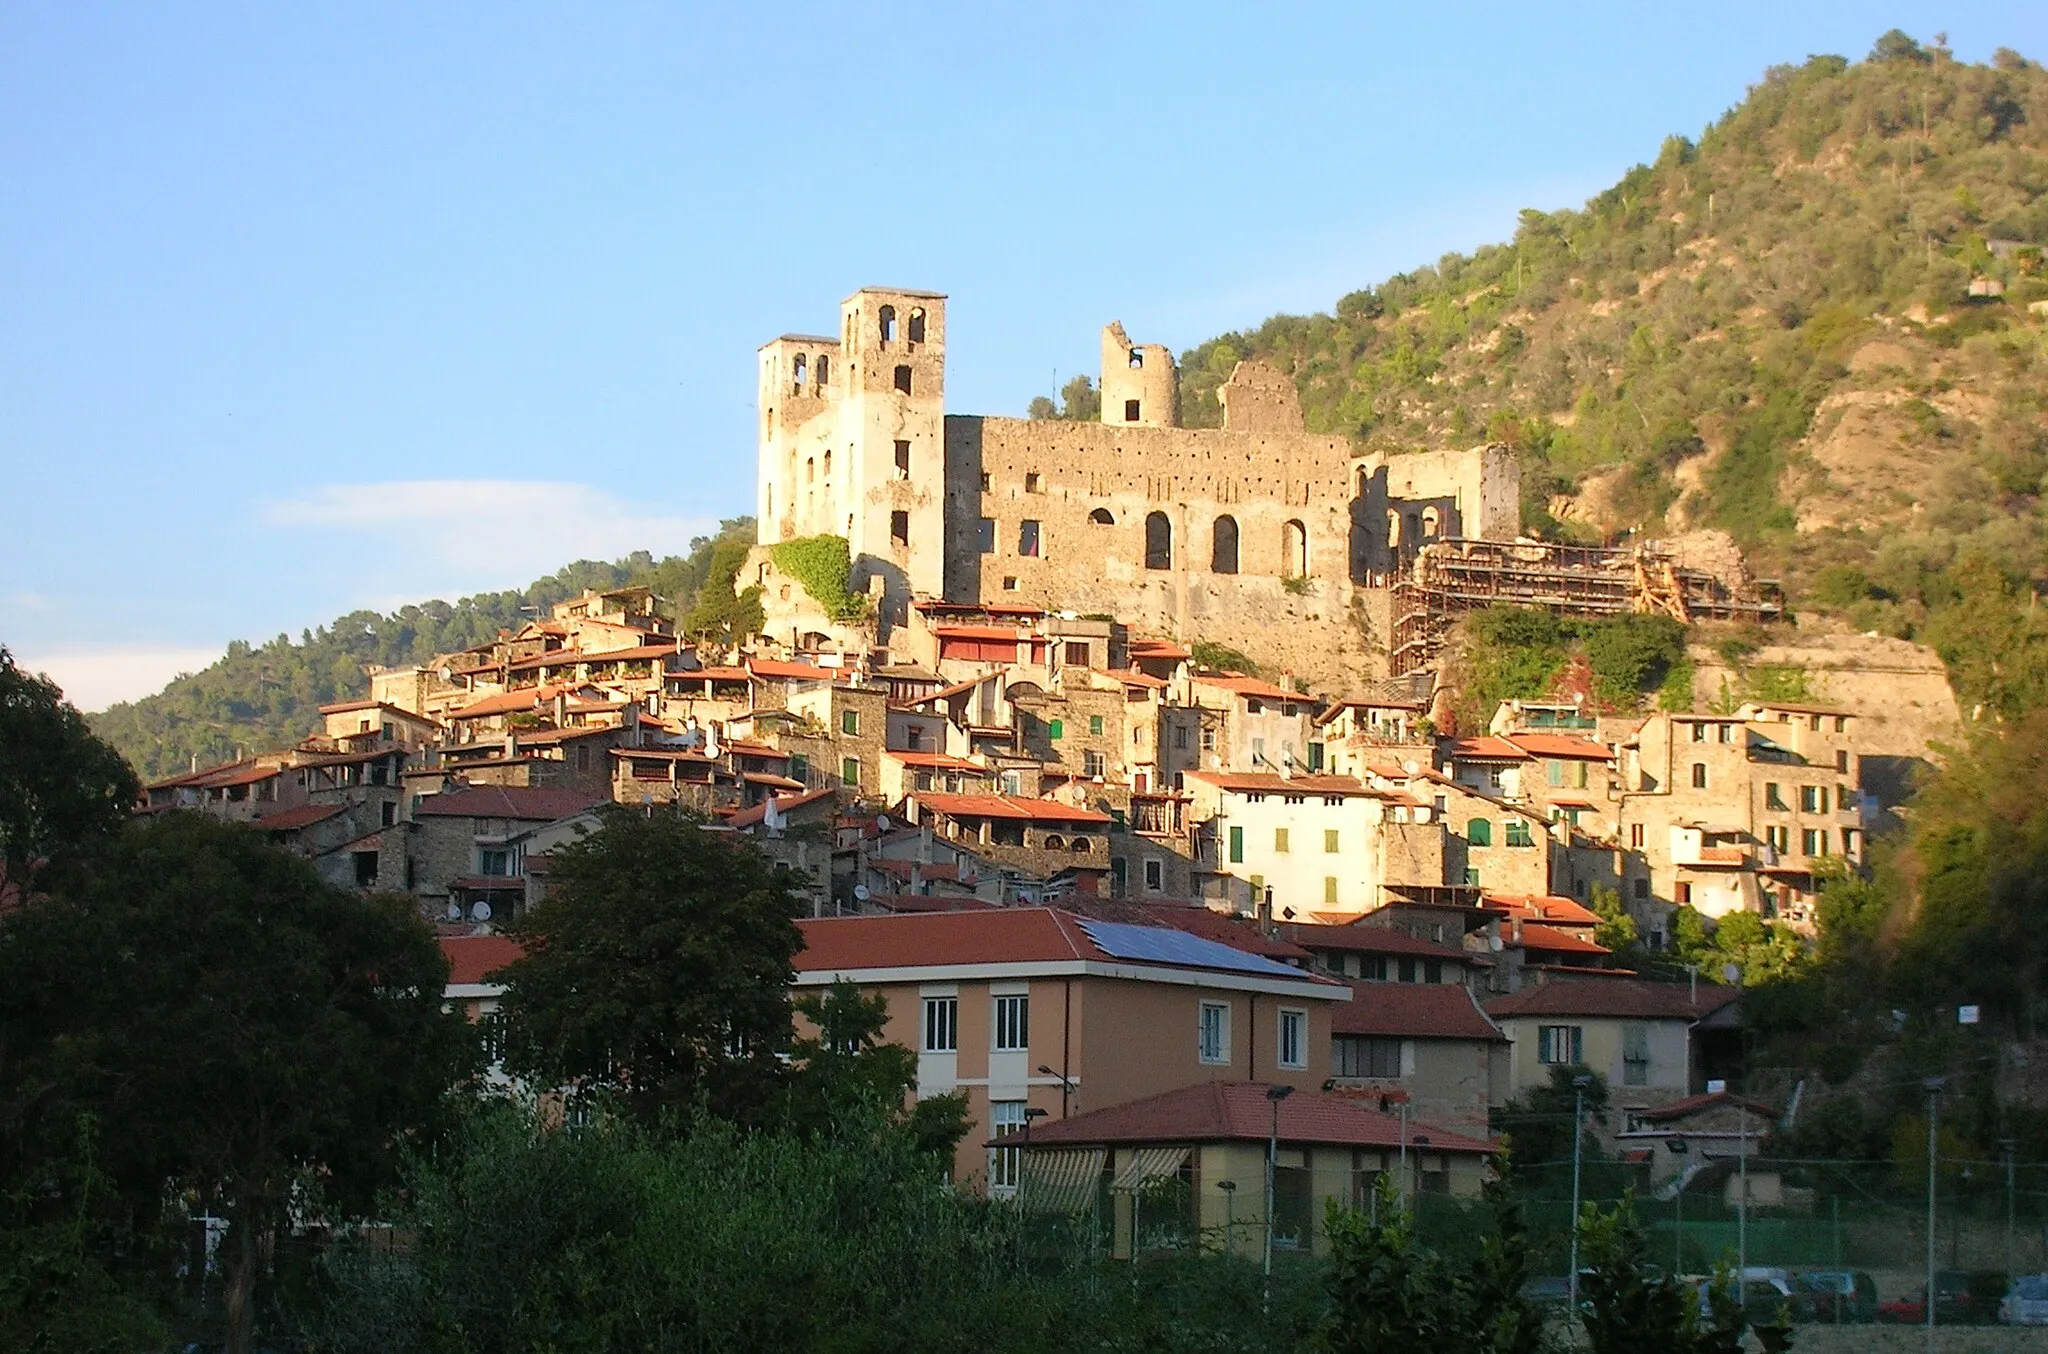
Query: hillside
268	695
1770	330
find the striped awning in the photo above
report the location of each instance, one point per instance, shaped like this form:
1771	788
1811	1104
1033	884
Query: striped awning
1061	1181
1149	1163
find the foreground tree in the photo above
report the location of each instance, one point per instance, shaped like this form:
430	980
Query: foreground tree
247	1038
62	790
840	1063
659	968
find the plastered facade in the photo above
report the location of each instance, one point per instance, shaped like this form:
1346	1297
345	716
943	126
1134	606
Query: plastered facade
1258	527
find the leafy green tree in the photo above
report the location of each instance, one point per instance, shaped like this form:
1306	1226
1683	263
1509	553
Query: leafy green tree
1220	657
63	791
840	1063
1539	1123
1080	402
238	1031
724	612
1631	1307
659	968
1617	929
1387	1290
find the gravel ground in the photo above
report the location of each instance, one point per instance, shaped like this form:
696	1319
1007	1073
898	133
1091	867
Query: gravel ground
1913	1340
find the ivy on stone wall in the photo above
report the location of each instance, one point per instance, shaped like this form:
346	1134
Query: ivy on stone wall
823	565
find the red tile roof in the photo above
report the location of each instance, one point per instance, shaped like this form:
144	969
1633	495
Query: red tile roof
1268	782
1195	920
1159	648
783	804
510	702
1369	940
768	667
1562	746
936	761
1236	1111
305	815
1250	688
1003	806
1485	749
1693	1104
1547	907
1536	936
1616	998
471	959
1133	677
507	801
1413	1011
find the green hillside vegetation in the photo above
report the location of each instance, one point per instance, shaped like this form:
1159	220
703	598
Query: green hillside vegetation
1768	330
262	696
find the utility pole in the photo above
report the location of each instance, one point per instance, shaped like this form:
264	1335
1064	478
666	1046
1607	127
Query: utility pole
1742	1221
1274	1095
1934	1086
1579	1084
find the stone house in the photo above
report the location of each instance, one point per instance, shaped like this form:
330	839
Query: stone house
470	844
1038	837
1313	846
1427	1045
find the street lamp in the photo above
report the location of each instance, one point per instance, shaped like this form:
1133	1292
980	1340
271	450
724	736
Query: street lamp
1274	1095
1579	1085
1399	1099
1066	1086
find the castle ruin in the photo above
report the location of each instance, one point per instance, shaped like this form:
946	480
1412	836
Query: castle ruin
1258	534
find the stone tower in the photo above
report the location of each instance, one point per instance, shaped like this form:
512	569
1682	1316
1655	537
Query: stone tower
853	438
1139	384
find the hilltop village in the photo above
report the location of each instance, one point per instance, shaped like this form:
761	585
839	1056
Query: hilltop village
993	756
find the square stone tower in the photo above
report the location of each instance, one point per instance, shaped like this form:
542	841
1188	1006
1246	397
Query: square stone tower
852	440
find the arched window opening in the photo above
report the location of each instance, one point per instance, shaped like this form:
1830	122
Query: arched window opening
1479	832
887	316
810	469
1079	845
1393	530
1294	550
903	379
824	372
1363	480
1055	842
1432	521
1137	358
1411	529
797	373
1102	517
1223	547
828	465
917	325
1158	541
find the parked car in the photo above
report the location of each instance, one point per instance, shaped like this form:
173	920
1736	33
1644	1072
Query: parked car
1962	1297
1835	1296
2027	1303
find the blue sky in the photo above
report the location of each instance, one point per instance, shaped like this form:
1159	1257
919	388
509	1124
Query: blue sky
311	307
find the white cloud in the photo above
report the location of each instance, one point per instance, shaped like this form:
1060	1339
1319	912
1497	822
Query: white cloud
436	538
95	676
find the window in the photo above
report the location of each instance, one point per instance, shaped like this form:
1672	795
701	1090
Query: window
849	723
899	528
1518	833
1635	836
824	376
1373	968
984	482
1432	970
1294	1040
1479	832
1329	888
1724	733
494	864
389	813
1119	877
1258	883
1813	841
1778	838
1158	541
1329	841
1406	971
1130	411
1013	1024
1009	582
1094	764
1315	757
1056	729
903	379
1213	1032
886	322
1642	888
942	1024
902	459
1077	656
1359	1055
1813	799
1223	546
1027	539
1561	1045
1280	840
366	868
916	333
1180	737
849	770
1155	875
1005	1117
1294	550
1774	797
1237	846
1094	721
1032	484
1102	517
1699	775
1635	1054
988	535
1208	740
1848	841
1685	895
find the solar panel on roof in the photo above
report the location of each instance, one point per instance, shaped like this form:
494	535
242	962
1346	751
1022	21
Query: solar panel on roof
1162	945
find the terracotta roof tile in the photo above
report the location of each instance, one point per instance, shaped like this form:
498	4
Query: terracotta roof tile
1413	1011
1224	1111
1485	749
1618	998
1536	936
471	959
305	815
1004	806
1369	940
506	801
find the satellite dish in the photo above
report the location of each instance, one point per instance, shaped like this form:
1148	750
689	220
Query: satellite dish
480	911
881	822
455	912
1732	972
1493	943
862	893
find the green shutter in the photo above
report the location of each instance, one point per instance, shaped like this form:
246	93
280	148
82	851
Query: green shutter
1237	846
1057	729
